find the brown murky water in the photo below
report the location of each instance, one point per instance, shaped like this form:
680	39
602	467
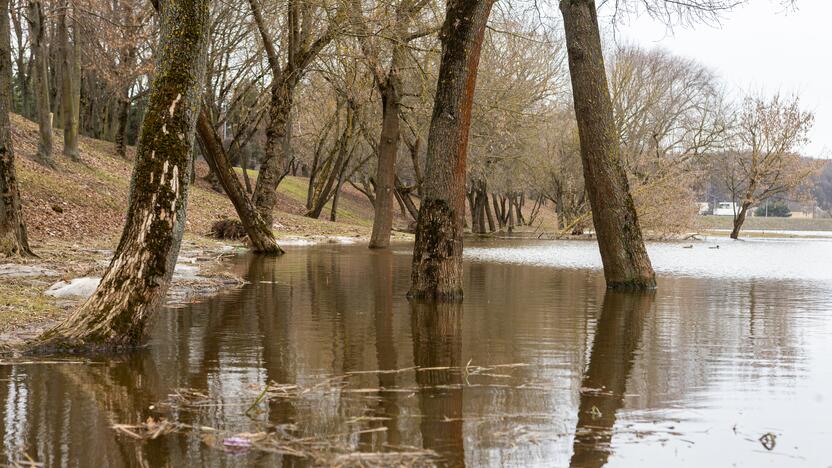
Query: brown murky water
539	367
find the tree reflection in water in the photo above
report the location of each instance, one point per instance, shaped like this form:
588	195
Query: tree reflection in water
617	337
437	345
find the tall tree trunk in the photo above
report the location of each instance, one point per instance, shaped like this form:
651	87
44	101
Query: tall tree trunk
386	171
244	165
119	312
739	220
626	264
40	73
274	163
259	233
437	253
68	55
13	238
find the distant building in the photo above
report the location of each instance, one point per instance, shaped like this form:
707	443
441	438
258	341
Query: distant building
726	209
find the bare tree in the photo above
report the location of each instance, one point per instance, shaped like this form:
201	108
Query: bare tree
764	163
37	33
13	238
118	313
437	253
626	264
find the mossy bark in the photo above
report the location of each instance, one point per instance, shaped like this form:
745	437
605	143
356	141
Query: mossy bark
437	253
13	238
626	264
259	233
120	311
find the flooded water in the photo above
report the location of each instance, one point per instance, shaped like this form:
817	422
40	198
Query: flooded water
726	364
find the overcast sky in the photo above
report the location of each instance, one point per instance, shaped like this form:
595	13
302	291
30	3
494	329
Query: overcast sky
761	47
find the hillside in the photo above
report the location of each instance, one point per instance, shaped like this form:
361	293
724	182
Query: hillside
87	201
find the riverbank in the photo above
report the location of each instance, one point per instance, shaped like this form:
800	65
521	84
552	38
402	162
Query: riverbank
75	212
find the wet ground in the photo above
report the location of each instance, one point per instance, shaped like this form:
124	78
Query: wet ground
321	360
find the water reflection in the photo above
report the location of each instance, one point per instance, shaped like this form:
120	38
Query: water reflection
688	377
617	337
437	351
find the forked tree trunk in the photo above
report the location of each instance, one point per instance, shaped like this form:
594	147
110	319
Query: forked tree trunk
437	253
40	75
626	264
386	171
119	312
13	239
69	81
259	233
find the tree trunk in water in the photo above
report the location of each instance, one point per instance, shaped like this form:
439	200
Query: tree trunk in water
740	220
272	168
259	233
70	111
119	312
13	238
614	349
626	264
437	253
40	74
386	172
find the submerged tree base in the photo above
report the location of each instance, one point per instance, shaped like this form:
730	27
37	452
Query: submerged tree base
638	284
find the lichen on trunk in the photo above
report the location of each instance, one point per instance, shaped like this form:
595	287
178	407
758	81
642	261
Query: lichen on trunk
120	311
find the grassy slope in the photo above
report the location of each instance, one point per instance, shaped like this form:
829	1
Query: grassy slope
92	196
755	223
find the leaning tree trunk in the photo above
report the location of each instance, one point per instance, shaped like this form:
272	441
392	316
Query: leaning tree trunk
739	220
626	264
119	312
437	254
259	233
13	239
40	73
386	171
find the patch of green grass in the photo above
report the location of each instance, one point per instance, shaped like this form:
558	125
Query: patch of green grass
23	304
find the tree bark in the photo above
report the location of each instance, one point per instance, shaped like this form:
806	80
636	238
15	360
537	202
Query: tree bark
119	312
259	233
272	168
740	220
437	253
386	170
40	72
13	238
69	81
626	264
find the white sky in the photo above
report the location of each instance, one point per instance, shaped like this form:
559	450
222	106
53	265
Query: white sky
761	47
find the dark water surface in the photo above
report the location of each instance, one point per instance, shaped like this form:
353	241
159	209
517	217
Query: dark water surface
539	367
